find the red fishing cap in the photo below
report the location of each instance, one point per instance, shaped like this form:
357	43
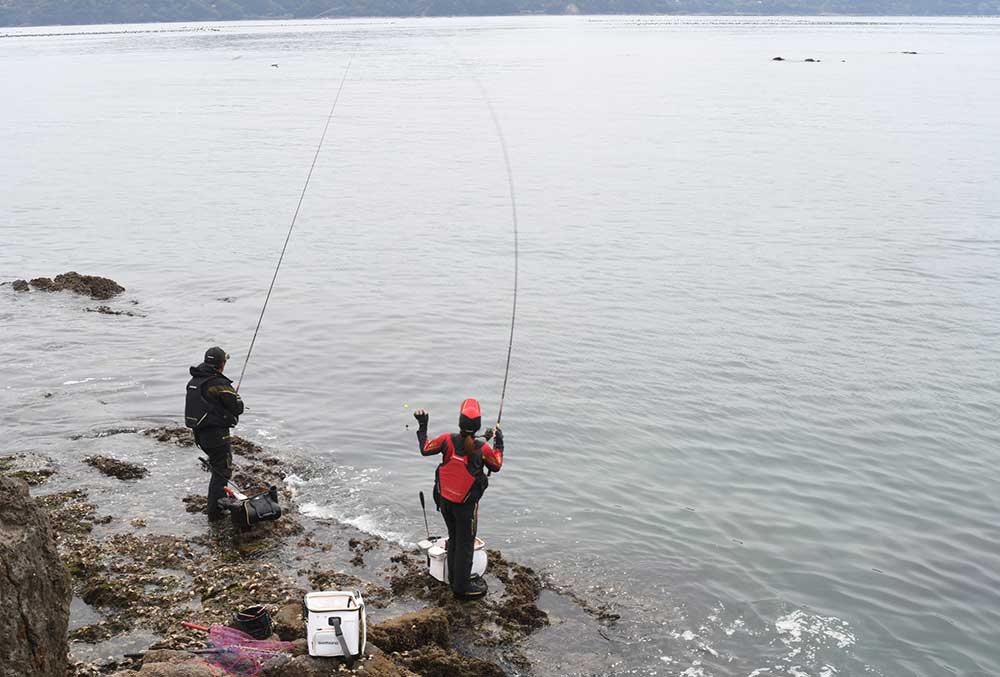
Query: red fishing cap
470	416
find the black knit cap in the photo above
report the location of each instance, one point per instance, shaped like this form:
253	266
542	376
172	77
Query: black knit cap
216	357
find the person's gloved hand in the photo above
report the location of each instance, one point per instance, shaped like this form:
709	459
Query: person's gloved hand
498	438
422	418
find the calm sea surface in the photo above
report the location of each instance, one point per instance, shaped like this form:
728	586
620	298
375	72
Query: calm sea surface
754	389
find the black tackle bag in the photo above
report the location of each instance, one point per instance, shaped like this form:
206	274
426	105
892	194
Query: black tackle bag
260	508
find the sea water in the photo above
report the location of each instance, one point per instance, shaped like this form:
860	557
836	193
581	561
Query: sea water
753	393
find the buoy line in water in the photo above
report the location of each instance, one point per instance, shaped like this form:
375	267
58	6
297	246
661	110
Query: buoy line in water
295	216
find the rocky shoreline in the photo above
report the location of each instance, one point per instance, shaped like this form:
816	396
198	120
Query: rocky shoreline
139	586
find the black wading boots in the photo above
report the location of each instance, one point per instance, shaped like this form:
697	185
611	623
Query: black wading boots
476	588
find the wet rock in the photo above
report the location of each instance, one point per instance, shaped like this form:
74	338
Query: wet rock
812	60
360	547
196	503
365	545
288	622
778	58
168	656
433	661
105	592
20	285
903	53
98	288
518	607
34	469
107	310
98	632
245	448
69	511
375	664
34	590
181	436
192	667
185	438
113	467
411	631
108	432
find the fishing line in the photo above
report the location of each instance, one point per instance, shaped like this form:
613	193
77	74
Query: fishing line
513	209
295	216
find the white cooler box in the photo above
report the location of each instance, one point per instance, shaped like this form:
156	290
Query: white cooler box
326	612
437	558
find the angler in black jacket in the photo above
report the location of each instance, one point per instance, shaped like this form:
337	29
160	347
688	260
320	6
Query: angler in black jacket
211	408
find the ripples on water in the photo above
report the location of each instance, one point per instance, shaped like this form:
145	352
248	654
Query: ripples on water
753	400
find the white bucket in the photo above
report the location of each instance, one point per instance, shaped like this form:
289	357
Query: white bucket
324	612
437	558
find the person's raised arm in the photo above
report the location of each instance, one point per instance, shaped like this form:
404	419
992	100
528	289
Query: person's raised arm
427	448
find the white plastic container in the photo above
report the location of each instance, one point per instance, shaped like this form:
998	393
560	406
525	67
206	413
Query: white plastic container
324	610
437	558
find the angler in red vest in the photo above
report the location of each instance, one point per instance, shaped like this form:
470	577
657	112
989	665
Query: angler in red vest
459	483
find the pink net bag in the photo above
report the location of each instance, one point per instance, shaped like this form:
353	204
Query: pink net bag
238	653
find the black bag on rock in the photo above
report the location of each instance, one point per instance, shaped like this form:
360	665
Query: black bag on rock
260	508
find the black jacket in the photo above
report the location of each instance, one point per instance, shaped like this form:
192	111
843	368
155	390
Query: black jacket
212	406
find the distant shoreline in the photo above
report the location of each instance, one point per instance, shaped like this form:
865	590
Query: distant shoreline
352	17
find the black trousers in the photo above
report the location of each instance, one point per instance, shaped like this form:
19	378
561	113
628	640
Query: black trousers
221	460
462	521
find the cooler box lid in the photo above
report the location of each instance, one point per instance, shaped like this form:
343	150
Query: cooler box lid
331	600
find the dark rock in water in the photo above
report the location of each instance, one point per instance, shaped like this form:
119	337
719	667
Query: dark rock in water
99	288
106	310
34	590
812	60
97	632
181	436
113	467
196	503
32	468
909	52
108	592
778	58
69	512
20	285
412	631
185	438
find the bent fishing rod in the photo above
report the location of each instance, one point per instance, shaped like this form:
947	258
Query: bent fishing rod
513	214
295	216
513	218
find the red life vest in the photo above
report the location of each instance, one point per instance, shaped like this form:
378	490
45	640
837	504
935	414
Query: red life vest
458	476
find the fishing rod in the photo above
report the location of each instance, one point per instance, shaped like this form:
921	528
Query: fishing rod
295	216
513	218
513	215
